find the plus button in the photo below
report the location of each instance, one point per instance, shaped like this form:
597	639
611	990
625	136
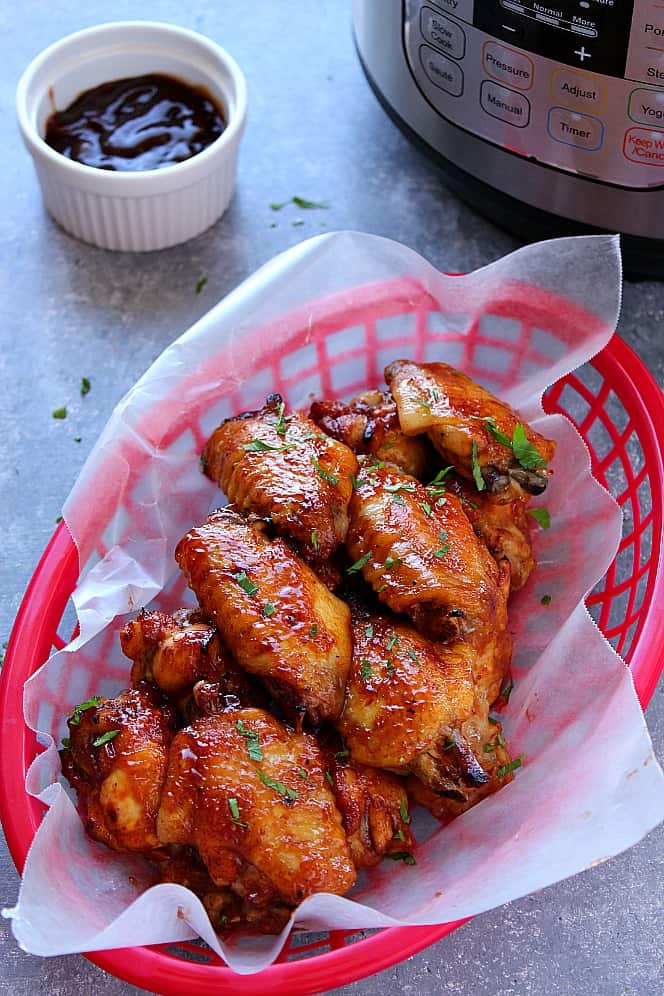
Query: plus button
582	54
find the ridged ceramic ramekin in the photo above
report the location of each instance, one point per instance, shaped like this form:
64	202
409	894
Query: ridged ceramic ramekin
134	211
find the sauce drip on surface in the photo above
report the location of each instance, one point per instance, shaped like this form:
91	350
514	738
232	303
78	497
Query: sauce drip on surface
136	124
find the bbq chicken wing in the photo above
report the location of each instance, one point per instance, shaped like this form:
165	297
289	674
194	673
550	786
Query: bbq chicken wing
481	436
177	652
374	810
117	761
283	468
502	521
369	423
278	620
252	797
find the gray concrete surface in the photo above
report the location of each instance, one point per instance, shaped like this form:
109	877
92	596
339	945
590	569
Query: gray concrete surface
69	310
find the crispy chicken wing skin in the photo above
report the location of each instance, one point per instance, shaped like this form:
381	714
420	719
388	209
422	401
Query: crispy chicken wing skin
285	469
403	692
369	423
176	652
422	557
117	764
457	413
374	809
278	620
503	522
252	797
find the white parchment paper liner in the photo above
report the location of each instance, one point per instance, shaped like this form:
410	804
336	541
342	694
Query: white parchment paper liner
590	786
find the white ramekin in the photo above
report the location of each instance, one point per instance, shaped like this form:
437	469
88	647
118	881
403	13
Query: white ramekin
144	210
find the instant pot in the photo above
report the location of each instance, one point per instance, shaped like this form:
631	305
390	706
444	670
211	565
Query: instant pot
548	117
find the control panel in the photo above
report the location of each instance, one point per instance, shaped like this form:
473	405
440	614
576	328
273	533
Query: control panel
575	84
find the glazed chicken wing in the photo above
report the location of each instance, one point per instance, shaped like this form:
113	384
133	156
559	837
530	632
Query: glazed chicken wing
116	761
369	424
252	797
283	468
279	621
176	652
481	436
503	523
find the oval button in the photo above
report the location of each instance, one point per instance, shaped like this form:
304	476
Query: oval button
580	91
443	33
504	104
508	65
647	107
442	72
582	131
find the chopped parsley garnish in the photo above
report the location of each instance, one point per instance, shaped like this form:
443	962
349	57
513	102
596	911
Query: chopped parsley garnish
66	743
77	439
400	835
297	222
426	508
60	412
105	738
329	777
506	690
445	546
426	406
354	481
288	793
413	656
259	445
404	856
200	284
359	564
391	562
92	703
203	460
395	488
303	773
398	500
496	433
493	719
512	766
541	516
314	630
85	386
440	477
450	744
281	421
235	813
500	740
246	583
365	670
300	202
524	451
342	753
489	747
369	631
403	812
477	470
268	610
392	642
330	478
58	520
389	667
545	600
314	539
253	742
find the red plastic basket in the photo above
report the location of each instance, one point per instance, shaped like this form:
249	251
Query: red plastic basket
619	410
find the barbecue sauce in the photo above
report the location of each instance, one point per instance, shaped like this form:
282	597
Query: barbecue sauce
136	124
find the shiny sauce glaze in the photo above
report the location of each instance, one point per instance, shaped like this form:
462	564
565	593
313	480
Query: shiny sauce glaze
136	124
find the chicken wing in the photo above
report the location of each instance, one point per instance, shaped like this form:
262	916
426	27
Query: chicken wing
369	424
278	620
502	521
374	809
481	436
116	760
282	467
421	555
176	652
252	797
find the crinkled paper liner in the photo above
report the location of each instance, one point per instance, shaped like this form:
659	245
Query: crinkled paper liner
324	318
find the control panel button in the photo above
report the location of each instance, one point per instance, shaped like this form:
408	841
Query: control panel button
508	65
645	55
504	104
442	32
580	91
460	8
582	131
641	145
442	72
647	107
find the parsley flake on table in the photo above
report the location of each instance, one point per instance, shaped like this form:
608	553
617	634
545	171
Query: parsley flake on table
404	856
85	386
59	413
253	741
359	564
92	703
524	451
300	202
246	583
200	284
58	520
545	600
541	516
477	470
105	738
330	478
